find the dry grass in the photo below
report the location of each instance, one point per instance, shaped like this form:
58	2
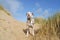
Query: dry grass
50	28
2	8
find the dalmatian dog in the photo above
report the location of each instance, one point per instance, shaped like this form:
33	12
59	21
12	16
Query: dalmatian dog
30	23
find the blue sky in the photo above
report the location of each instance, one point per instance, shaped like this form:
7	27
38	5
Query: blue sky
40	8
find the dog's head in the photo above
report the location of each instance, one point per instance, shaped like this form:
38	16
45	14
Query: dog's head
29	14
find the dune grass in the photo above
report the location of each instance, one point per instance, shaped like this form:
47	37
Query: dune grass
50	28
2	8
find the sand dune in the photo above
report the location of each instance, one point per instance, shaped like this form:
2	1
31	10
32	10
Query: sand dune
10	29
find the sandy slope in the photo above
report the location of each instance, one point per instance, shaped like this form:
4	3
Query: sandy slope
10	29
